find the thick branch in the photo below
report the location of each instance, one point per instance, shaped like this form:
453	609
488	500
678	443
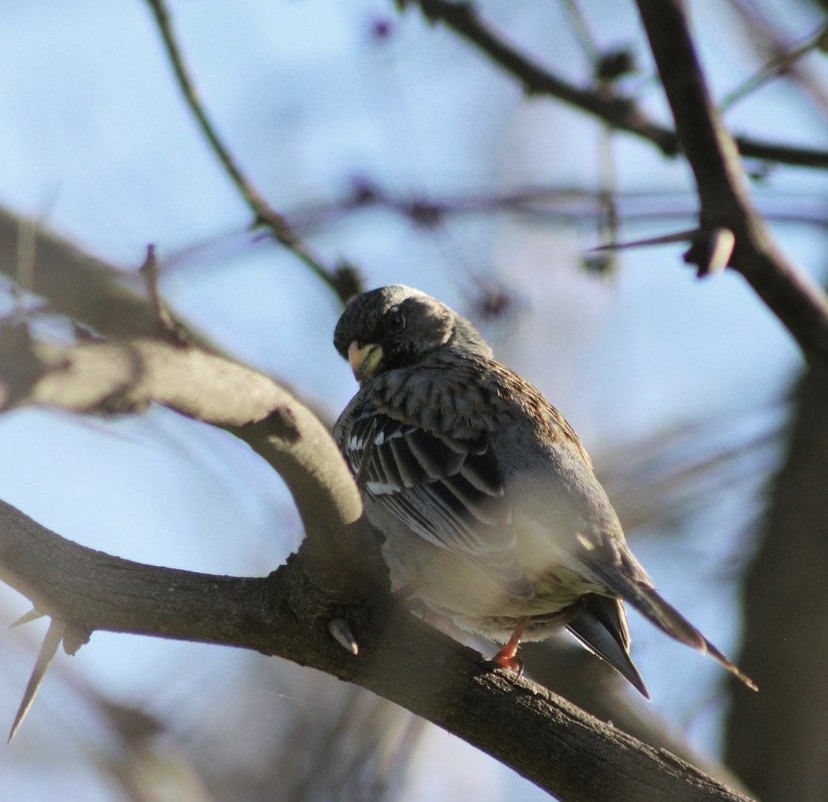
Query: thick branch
336	574
538	734
725	203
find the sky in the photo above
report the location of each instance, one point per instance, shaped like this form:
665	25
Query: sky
96	143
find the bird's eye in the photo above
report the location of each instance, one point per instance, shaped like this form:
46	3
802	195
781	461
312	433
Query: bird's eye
396	320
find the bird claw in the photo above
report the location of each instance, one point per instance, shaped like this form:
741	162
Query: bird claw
509	659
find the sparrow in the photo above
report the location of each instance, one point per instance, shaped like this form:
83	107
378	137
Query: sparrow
492	516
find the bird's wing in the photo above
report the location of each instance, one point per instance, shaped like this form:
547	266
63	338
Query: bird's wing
447	489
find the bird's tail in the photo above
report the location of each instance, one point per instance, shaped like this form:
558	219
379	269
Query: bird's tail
647	600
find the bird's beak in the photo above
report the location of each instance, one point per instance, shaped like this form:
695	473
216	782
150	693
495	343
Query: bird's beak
364	359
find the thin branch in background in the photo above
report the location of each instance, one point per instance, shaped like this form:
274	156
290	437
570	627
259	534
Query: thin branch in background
619	112
781	64
343	278
581	30
608	222
543	205
765	38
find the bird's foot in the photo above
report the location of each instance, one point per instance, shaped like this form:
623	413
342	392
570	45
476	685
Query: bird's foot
508	656
509	659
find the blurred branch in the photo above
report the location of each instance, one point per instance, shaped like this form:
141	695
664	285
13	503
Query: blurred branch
778	745
74	283
725	203
782	59
659	481
567	204
343	278
618	112
87	290
337	573
781	63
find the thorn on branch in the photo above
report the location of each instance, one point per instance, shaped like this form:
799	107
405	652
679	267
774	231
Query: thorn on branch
710	251
27	618
342	634
150	272
663	239
48	649
73	638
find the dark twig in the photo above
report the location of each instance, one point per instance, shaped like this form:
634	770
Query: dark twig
342	279
174	329
722	186
781	63
618	112
765	38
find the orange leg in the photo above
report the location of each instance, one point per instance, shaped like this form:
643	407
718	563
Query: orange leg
507	657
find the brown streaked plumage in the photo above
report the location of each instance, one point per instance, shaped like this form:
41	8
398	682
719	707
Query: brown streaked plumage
486	497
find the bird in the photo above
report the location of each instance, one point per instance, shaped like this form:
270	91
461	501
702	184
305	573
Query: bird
491	515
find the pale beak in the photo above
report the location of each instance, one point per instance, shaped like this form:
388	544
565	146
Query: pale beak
364	360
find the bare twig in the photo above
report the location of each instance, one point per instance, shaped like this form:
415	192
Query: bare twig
619	112
781	63
766	39
342	279
174	329
566	204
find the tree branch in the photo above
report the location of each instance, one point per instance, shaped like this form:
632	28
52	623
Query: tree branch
538	734
725	203
336	574
342	279
617	112
76	284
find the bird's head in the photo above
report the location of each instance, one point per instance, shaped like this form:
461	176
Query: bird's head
397	326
